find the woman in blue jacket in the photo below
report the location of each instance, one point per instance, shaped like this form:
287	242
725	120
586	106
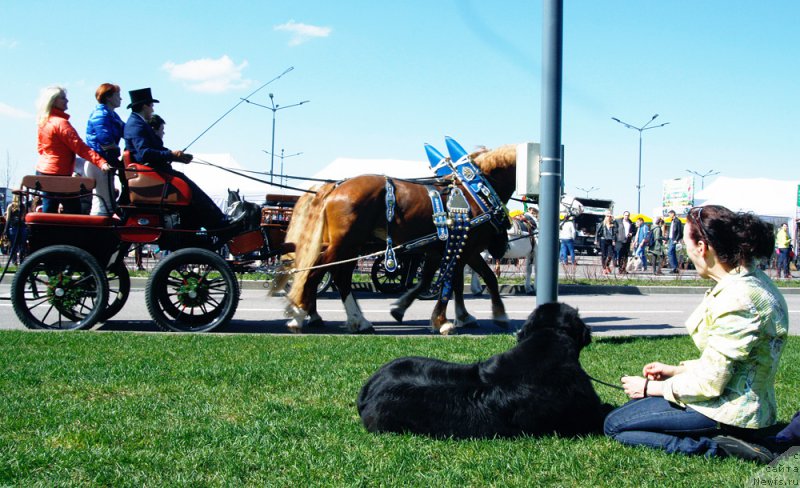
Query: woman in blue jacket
103	132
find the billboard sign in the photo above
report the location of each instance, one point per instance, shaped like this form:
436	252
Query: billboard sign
678	195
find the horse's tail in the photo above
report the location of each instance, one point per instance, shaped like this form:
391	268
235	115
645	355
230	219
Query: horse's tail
306	230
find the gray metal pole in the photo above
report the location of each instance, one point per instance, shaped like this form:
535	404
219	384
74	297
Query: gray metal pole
272	151
550	182
639	184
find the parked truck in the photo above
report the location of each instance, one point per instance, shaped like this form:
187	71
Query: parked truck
586	223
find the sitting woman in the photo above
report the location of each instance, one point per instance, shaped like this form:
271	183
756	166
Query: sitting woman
58	145
717	404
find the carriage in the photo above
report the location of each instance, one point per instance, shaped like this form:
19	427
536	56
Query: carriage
76	277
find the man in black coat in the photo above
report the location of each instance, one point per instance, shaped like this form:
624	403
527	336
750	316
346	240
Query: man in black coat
147	148
675	236
625	230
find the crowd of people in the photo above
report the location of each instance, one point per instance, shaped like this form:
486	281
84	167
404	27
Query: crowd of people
625	245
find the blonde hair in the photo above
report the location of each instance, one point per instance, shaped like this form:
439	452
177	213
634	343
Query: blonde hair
45	103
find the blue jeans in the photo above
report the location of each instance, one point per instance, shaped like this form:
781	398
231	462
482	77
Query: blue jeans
567	250
672	254
783	261
656	423
641	251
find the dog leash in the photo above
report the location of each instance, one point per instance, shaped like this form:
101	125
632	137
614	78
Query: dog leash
616	387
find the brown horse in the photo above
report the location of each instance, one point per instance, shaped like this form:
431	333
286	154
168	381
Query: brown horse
346	220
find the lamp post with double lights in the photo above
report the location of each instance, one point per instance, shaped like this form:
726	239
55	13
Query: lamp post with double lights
587	190
710	172
641	129
283	156
274	109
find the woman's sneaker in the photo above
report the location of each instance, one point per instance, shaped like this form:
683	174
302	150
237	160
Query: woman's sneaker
733	447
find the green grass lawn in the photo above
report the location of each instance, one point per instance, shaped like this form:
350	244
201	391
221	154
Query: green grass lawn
125	409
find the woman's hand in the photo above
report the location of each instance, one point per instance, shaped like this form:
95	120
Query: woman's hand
659	371
634	386
105	167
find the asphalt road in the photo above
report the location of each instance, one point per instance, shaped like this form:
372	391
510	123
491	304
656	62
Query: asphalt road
607	314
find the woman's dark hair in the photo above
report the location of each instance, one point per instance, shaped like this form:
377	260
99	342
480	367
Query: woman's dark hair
737	238
156	121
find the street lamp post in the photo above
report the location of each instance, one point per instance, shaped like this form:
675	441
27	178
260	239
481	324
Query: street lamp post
282	156
641	129
710	172
587	190
274	109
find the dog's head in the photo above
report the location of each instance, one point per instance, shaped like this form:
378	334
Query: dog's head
557	316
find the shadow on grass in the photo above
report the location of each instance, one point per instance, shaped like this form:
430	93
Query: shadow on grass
407	328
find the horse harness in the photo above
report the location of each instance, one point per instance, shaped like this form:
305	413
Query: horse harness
453	224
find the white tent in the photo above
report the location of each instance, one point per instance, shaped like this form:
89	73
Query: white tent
341	168
216	182
772	200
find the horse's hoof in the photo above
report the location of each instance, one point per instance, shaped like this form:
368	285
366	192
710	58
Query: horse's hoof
318	322
294	328
503	323
447	329
397	313
370	330
469	322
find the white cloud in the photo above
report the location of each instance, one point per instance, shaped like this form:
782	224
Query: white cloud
8	43
303	32
13	113
209	75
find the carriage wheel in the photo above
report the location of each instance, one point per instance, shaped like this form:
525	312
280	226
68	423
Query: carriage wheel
385	281
431	293
192	290
59	287
325	282
119	287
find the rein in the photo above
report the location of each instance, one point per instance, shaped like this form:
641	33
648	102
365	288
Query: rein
237	173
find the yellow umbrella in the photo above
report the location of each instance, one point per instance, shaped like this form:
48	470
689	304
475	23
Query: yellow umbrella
647	220
515	213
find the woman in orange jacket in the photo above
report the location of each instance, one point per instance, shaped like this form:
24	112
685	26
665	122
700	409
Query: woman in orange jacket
58	145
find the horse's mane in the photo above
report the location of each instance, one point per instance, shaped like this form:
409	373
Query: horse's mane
499	158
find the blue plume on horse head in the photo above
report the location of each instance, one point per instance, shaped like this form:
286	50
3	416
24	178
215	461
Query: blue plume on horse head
455	149
437	161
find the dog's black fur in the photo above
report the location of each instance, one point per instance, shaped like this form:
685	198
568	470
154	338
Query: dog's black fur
537	387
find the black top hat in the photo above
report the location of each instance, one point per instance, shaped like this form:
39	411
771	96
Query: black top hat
142	95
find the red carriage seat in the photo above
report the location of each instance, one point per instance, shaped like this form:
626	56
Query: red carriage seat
68	220
149	187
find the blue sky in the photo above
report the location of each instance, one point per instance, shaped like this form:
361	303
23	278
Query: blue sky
385	77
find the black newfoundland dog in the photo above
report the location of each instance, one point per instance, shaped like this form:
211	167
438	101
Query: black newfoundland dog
537	387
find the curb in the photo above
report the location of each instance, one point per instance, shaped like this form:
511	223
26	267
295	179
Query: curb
139	283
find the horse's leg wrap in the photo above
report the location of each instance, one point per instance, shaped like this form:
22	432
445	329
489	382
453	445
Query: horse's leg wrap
296	318
356	321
